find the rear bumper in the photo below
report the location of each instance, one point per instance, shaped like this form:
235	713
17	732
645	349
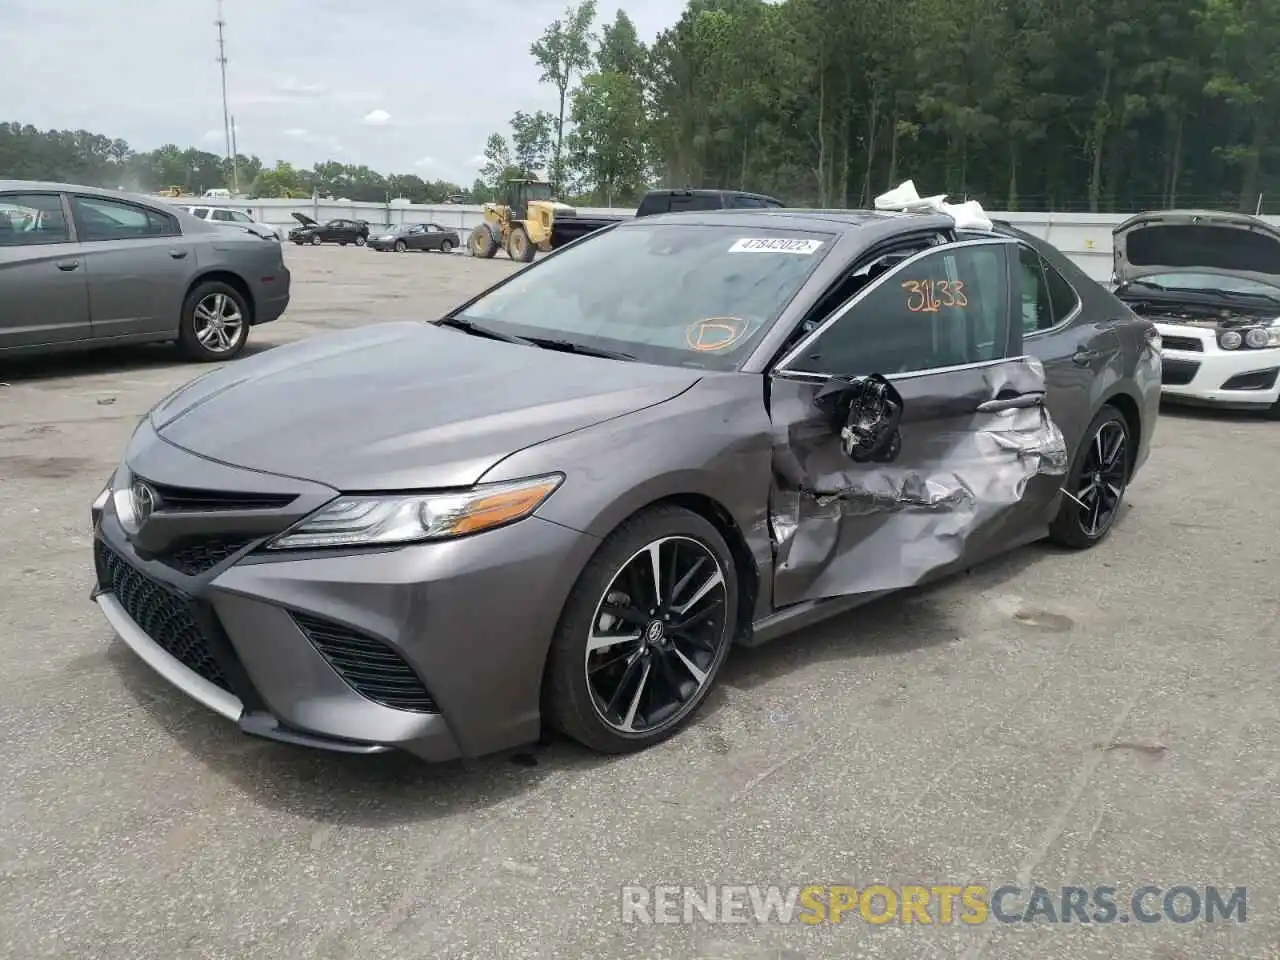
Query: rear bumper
272	299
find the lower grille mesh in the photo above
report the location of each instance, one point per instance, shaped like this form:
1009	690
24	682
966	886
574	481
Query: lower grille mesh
167	617
368	665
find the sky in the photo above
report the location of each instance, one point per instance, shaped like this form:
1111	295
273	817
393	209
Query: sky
404	86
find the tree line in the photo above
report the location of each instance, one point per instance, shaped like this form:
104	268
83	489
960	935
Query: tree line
1101	105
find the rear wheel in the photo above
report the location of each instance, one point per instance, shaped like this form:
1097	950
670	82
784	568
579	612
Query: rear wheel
401	246
361	241
214	324
1097	482
446	246
643	633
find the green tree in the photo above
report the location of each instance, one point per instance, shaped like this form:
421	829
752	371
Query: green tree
608	140
564	52
531	141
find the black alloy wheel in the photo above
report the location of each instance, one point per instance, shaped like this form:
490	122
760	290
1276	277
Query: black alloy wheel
644	632
1096	486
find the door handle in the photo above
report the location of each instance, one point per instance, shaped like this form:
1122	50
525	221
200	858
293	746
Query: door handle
177	253
1083	357
68	265
1016	402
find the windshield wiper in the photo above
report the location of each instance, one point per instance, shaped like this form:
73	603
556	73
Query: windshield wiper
473	328
1243	294
568	346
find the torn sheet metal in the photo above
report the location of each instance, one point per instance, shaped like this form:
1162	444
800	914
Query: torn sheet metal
965	483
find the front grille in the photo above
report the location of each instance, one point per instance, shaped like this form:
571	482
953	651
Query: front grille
1183	343
368	665
186	500
170	619
1177	373
199	555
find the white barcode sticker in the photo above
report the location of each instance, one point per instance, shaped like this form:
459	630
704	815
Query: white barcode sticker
776	245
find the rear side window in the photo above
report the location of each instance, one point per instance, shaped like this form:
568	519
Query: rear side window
1062	295
696	202
100	219
1037	308
32	219
748	203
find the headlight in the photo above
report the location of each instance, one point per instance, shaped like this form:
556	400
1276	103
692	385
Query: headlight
1260	338
1230	340
411	518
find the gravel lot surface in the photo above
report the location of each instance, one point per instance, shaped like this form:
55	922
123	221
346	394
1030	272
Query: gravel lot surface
1106	718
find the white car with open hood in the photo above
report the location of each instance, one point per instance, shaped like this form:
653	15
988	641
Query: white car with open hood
1211	283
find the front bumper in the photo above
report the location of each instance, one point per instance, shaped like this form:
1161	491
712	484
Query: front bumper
1197	370
434	649
377	244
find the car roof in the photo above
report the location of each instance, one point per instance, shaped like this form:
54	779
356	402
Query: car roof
50	186
815	221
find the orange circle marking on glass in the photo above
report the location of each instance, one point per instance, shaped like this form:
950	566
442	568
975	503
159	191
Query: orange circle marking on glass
715	333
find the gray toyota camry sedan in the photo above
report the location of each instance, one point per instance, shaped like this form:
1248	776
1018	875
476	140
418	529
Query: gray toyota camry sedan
564	502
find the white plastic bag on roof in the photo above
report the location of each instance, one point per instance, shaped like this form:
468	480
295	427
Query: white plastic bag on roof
968	215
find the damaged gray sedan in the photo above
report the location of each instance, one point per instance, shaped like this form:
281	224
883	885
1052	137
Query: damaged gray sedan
564	502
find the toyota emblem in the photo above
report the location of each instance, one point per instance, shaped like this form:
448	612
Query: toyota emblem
144	502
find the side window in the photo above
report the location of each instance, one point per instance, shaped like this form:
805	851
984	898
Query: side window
102	219
432	228
748	203
239	217
1037	310
32	219
696	202
223	215
1061	294
948	308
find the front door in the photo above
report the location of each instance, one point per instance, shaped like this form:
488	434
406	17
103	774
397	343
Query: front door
138	266
977	455
44	296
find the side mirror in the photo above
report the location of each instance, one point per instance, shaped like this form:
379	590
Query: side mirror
866	411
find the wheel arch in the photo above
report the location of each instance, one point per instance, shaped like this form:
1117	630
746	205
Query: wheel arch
232	280
1130	409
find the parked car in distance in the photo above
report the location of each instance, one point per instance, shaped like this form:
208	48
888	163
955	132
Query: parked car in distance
569	226
242	218
1211	282
717	428
417	236
83	267
339	231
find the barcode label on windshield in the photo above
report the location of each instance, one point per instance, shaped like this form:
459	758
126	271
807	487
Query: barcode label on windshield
777	245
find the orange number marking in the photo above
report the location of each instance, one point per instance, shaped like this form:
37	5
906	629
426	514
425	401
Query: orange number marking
930	296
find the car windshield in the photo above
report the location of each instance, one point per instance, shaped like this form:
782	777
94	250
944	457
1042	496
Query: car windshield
686	294
1209	282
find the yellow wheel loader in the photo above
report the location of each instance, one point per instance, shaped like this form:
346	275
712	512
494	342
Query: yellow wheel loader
521	225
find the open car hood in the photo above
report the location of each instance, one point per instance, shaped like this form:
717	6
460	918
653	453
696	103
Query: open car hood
303	219
1166	241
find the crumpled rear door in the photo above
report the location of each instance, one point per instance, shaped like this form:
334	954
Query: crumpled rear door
979	467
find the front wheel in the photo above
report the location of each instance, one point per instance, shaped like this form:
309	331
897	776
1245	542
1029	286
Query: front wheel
214	324
520	247
361	241
481	243
401	246
446	246
1096	485
643	633
316	241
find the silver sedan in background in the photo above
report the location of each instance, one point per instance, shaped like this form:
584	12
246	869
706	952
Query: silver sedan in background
83	267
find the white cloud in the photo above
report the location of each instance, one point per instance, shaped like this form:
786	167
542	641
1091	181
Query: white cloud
294	86
376	118
297	132
426	162
213	136
478	161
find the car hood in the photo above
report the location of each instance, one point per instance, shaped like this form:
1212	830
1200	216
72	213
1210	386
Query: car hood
303	219
401	406
1203	240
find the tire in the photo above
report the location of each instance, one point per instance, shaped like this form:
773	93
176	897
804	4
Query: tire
207	301
1076	526
298	242
574	703
361	241
481	243
520	247
316	241
446	246
401	246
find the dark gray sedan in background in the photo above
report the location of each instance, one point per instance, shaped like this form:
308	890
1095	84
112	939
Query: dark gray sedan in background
565	501
83	267
416	236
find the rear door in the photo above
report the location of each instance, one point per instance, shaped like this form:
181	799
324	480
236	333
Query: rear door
44	294
138	265
1075	350
966	474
